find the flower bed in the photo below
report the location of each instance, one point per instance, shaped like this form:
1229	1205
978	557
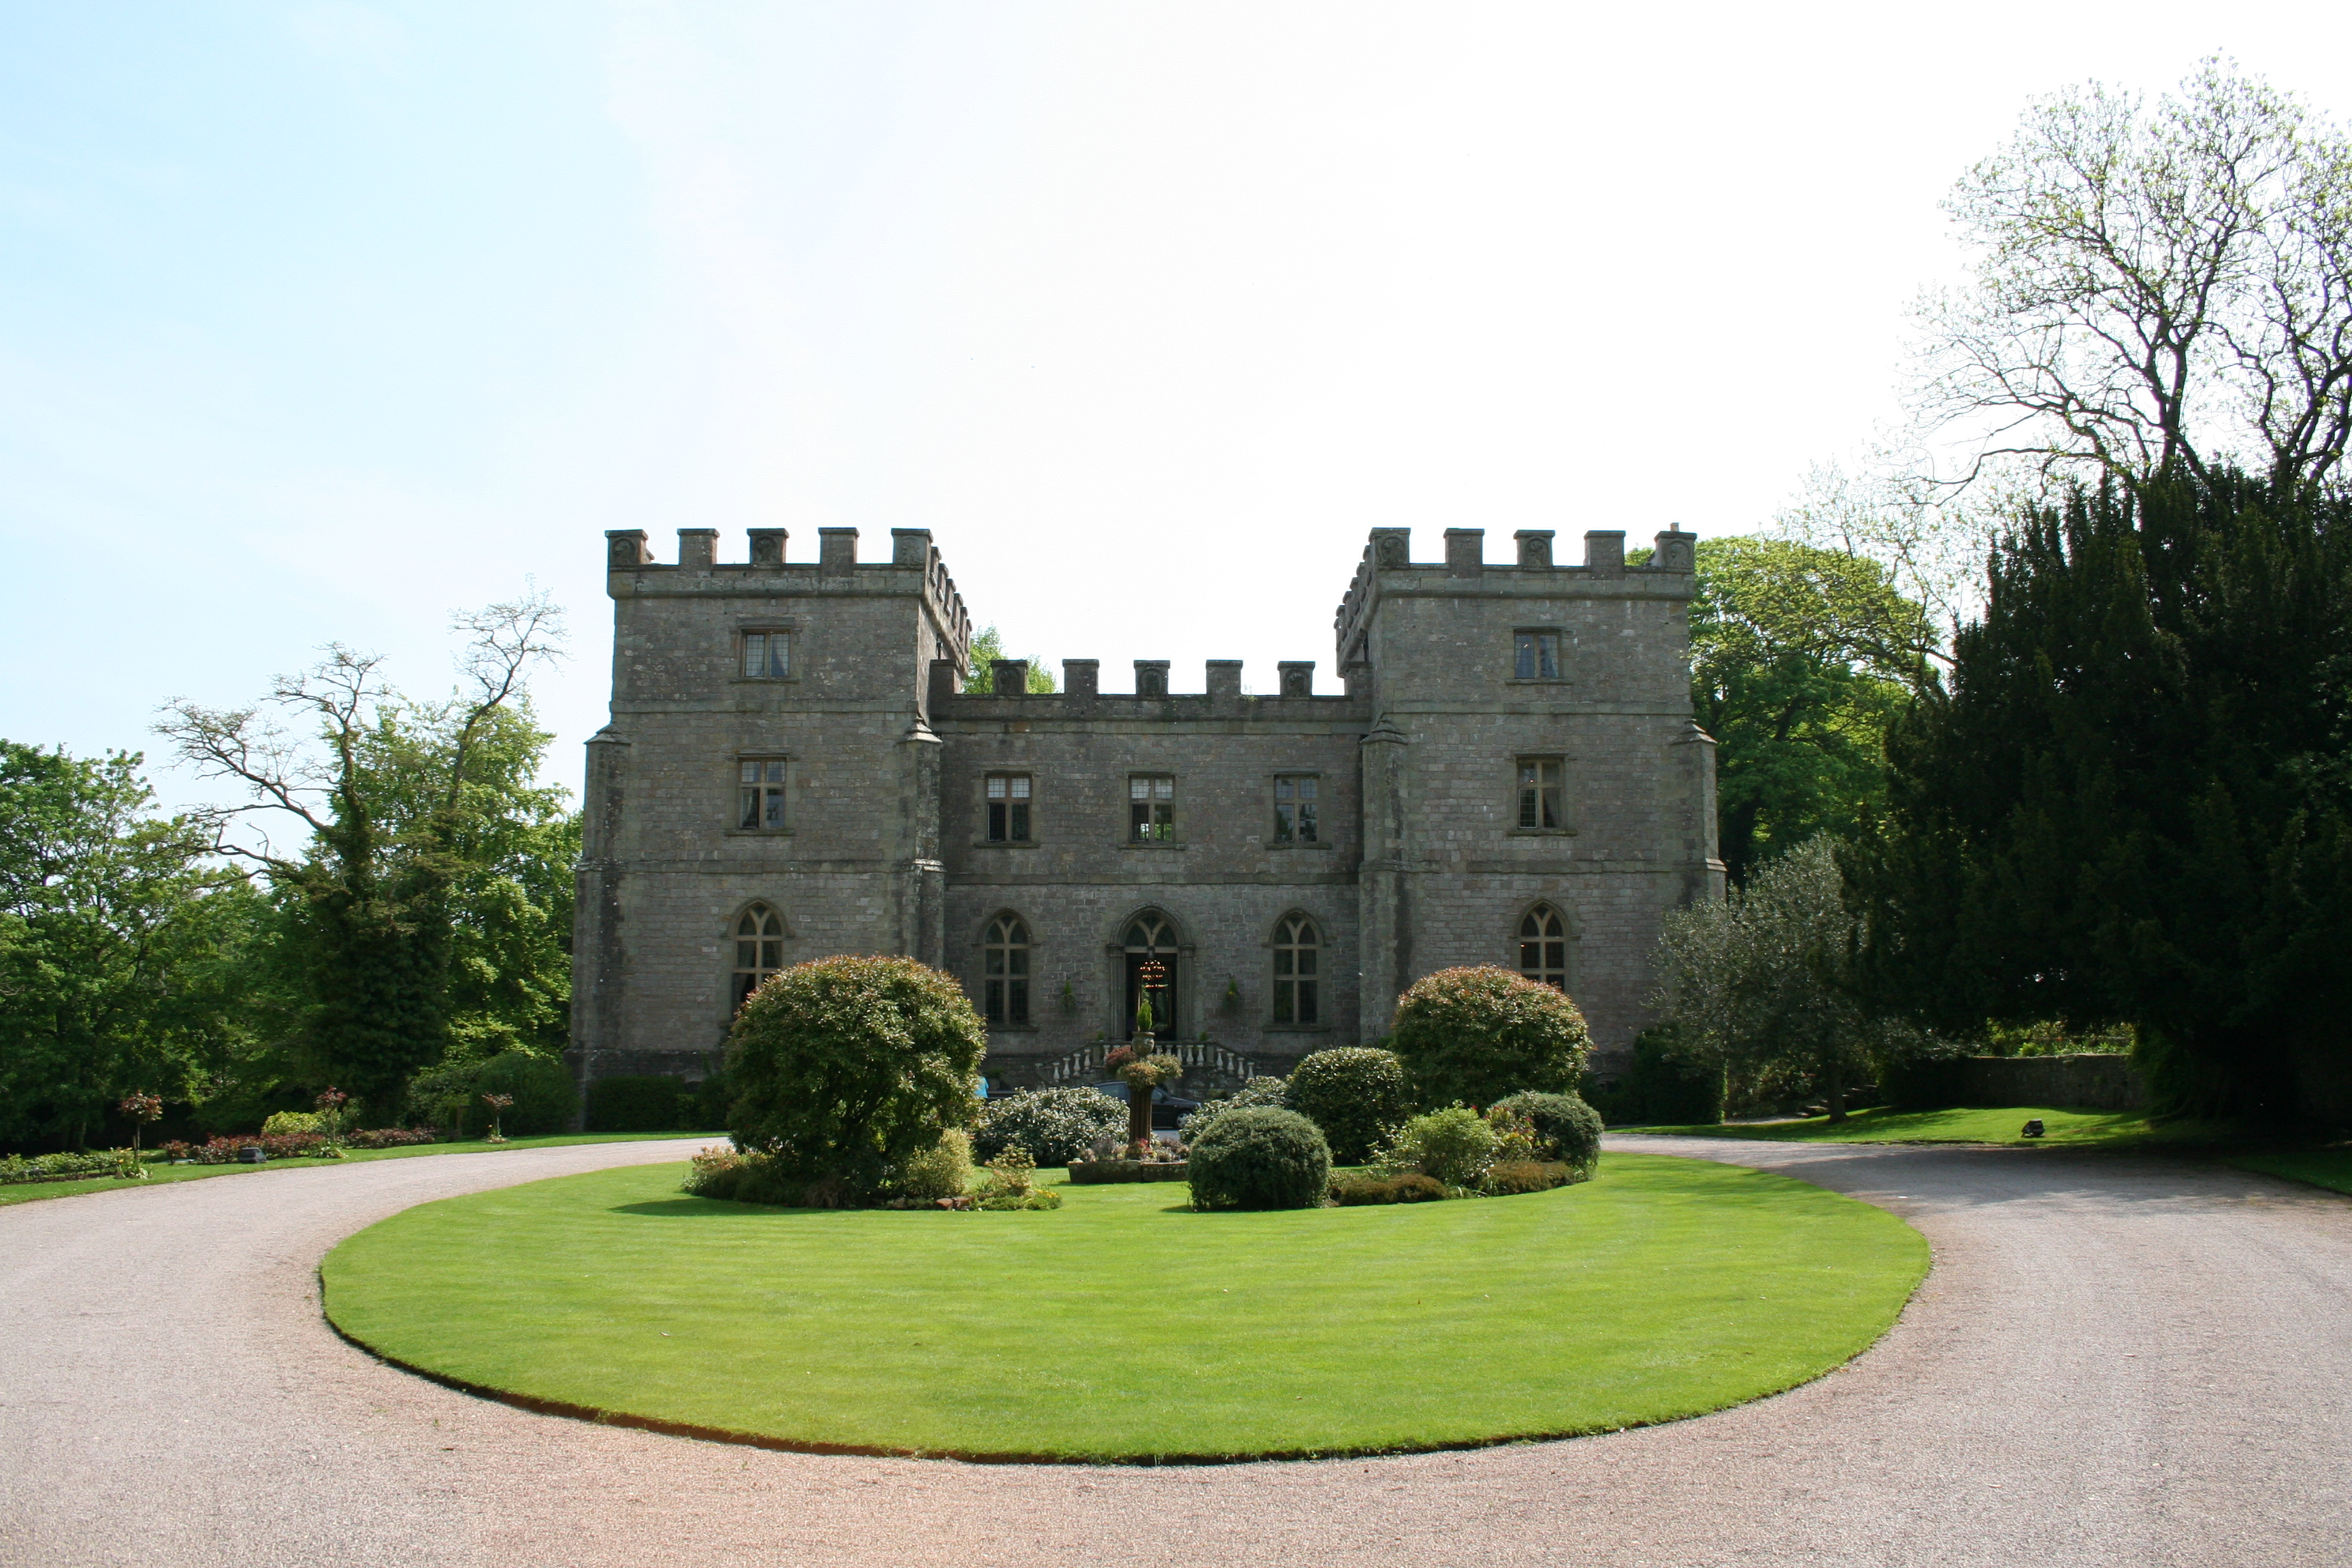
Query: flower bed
70	1167
273	1145
391	1137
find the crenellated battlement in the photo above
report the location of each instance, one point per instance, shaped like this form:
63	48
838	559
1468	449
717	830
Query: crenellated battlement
1003	692
1386	567
767	571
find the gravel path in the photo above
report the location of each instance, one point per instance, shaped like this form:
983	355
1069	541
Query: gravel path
2114	1361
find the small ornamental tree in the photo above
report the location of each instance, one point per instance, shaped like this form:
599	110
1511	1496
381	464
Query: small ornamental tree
1357	1094
141	1109
844	1068
1473	1036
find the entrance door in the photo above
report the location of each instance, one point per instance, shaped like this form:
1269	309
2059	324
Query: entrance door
1152	941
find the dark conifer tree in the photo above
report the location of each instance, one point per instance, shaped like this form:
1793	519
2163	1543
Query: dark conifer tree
2131	804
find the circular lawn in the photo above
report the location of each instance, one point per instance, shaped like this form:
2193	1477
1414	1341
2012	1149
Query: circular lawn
1124	1327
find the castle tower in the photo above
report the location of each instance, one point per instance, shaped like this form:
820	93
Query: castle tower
767	790
1535	792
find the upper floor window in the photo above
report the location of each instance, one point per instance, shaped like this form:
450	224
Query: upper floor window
1541	788
1295	808
1008	808
760	802
1150	807
767	656
1004	966
1538	656
1297	946
759	949
1543	947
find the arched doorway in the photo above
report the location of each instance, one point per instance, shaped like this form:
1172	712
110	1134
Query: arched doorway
1151	968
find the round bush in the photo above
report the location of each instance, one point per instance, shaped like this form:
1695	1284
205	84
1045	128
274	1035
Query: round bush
545	1099
1357	1094
1056	1125
1271	1091
1453	1146
844	1068
1260	1158
1475	1035
1566	1130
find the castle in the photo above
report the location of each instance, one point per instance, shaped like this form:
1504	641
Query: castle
802	762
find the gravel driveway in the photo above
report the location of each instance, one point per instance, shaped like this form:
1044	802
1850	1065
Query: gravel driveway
2114	1361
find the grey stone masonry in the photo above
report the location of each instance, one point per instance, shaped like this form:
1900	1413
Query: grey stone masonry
802	762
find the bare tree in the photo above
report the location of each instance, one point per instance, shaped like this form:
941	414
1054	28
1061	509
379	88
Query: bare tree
2157	287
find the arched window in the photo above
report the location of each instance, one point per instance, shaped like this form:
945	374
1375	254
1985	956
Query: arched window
1151	970
759	949
1297	946
1543	946
1004	970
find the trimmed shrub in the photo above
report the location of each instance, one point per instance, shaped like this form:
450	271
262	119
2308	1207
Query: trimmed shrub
633	1104
1566	1130
844	1068
1260	1158
545	1099
1510	1177
1455	1146
1056	1125
285	1121
942	1171
1353	1191
1357	1094
1271	1091
1475	1035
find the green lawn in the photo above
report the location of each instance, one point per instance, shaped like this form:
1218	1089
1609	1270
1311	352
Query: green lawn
1123	1326
2101	1128
2330	1168
26	1192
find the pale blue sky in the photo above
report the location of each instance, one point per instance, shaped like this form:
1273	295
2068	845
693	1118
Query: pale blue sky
317	321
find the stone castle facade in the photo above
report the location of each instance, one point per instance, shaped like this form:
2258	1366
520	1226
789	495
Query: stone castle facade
802	762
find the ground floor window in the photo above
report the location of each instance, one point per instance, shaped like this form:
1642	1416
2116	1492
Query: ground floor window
759	949
1296	975
1005	963
1543	946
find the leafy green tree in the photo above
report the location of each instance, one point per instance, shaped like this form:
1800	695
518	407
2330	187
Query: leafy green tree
842	1068
1475	1034
2132	805
410	932
120	936
987	646
1801	657
1760	983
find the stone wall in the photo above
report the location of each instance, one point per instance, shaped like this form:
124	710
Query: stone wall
2085	1082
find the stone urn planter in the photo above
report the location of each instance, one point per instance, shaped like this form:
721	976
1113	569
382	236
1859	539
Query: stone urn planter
1093	1173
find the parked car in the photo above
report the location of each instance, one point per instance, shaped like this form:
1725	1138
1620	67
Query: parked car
1168	1111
